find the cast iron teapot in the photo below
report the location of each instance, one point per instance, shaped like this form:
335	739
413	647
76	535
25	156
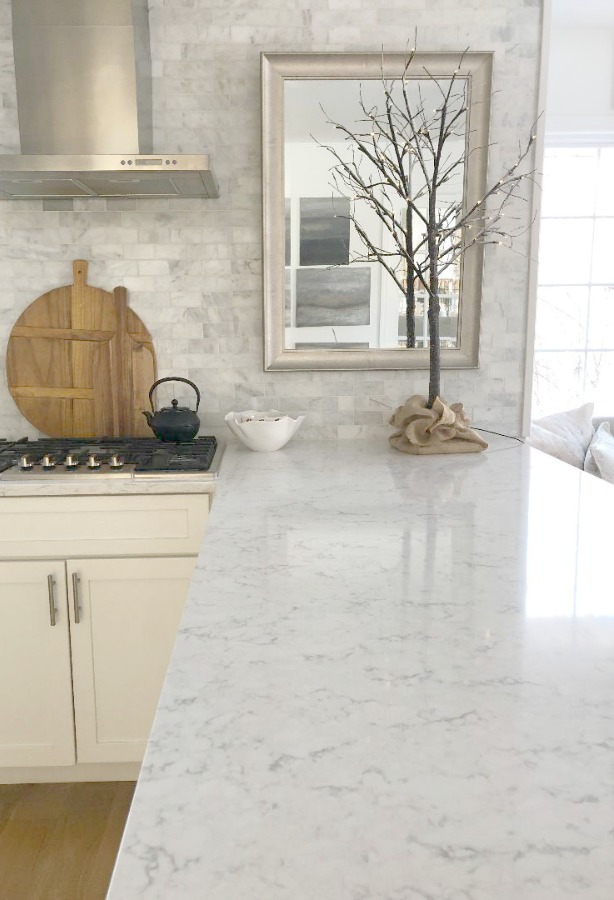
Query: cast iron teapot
173	423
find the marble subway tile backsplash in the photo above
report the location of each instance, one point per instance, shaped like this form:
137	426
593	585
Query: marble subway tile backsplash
193	268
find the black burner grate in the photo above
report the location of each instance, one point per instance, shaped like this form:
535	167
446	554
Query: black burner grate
144	454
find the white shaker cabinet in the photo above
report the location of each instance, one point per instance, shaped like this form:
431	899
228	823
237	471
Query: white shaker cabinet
91	595
124	614
36	711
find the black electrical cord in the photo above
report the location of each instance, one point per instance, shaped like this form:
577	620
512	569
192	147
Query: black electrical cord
499	434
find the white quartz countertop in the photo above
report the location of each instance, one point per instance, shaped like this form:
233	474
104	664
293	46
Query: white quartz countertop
98	485
394	680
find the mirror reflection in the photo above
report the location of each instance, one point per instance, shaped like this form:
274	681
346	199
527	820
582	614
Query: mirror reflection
337	294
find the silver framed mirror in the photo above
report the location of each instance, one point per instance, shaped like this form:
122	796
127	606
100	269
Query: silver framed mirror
326	306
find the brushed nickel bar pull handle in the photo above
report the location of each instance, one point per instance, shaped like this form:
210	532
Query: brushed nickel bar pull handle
52	610
75	596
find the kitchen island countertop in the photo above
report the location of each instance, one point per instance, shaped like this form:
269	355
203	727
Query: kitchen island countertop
394	680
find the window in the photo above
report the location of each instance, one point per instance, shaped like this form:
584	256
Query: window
574	337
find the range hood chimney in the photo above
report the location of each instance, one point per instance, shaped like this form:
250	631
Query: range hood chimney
83	71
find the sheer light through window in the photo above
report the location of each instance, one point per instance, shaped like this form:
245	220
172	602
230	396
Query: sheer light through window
574	340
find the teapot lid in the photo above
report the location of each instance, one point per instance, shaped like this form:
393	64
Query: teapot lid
176	408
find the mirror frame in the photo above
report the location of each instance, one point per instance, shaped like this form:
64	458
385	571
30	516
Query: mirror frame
276	68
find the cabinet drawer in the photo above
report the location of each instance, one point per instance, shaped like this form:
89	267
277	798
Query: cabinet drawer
102	526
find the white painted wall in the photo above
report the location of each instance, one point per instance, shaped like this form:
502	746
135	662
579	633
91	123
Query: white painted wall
193	268
580	82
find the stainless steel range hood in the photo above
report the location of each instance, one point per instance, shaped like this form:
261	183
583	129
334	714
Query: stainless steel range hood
83	72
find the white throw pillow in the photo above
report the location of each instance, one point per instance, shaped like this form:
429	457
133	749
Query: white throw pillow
589	462
565	435
600	455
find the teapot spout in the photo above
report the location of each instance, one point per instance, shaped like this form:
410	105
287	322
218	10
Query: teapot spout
148	416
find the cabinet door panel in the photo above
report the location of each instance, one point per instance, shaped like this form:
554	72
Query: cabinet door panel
129	612
36	715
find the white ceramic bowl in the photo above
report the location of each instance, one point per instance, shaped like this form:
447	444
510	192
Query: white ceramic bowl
263	431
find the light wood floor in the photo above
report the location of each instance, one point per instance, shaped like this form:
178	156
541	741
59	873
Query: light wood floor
59	841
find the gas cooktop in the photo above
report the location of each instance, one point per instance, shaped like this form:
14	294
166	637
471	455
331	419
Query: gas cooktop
109	457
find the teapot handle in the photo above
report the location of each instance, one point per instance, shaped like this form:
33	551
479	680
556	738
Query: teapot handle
173	378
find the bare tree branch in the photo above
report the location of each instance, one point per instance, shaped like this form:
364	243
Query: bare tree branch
395	163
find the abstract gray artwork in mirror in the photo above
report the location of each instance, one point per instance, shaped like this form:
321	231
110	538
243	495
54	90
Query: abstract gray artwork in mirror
327	304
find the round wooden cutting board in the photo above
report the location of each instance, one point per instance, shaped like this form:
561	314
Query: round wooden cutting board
80	362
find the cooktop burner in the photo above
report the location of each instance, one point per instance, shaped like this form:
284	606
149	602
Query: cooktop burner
129	457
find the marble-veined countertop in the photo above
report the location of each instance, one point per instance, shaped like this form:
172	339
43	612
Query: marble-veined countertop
394	680
101	486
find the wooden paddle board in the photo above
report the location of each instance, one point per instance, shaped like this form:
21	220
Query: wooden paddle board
80	362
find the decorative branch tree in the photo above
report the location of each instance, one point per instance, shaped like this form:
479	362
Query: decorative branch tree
399	162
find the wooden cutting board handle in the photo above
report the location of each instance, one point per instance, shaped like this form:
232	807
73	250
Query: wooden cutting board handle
80	362
79	271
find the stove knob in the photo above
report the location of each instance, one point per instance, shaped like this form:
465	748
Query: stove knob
25	463
92	462
70	462
116	462
48	462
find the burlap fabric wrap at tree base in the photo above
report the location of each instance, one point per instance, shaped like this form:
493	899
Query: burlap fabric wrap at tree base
442	429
